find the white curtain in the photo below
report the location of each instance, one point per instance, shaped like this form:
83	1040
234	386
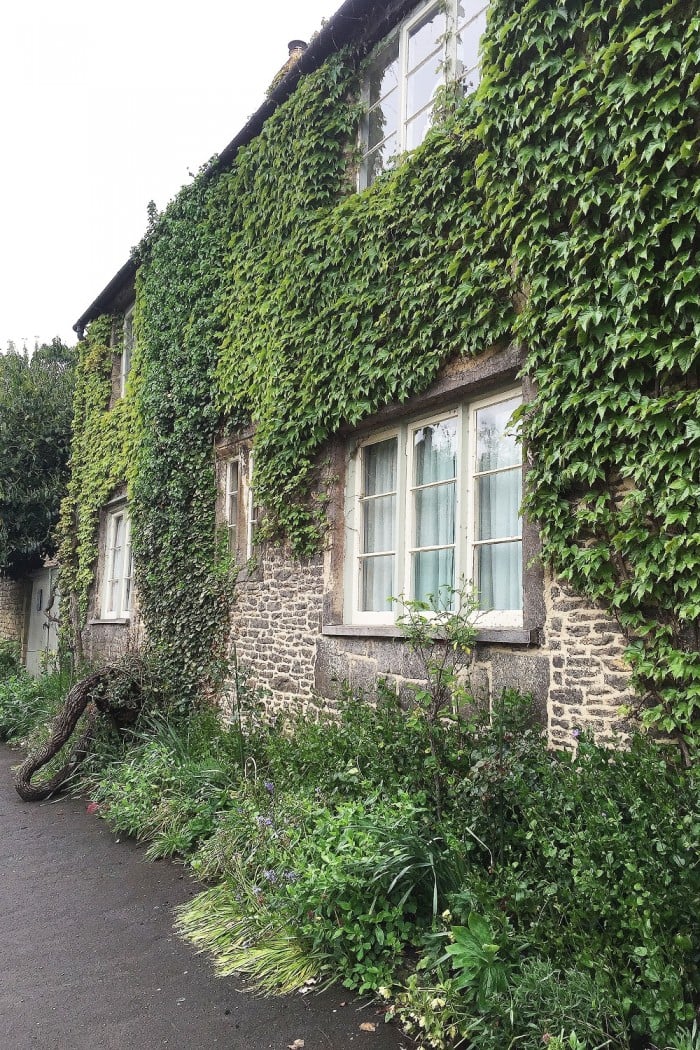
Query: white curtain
498	566
379	464
435	466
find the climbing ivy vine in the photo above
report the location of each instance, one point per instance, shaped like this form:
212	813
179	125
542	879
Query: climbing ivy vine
105	435
557	206
182	582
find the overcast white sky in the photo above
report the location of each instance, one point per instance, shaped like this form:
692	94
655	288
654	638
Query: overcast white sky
105	107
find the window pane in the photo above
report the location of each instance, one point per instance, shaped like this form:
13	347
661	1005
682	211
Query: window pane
432	571
379	467
423	39
128	331
498	502
499	576
126	604
384	73
232	502
417	129
468	37
379	516
435	516
496	446
467	9
421	85
117	548
379	160
377	583
383	120
435	452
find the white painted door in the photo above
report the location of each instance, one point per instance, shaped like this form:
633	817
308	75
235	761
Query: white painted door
42	621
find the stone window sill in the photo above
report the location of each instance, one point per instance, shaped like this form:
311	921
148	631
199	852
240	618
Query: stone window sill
109	621
486	636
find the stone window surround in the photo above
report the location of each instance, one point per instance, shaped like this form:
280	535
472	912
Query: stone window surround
468	379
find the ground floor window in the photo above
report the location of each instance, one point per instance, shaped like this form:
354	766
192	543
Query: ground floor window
241	511
433	502
119	566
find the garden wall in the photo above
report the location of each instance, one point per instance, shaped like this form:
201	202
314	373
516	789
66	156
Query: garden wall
13	595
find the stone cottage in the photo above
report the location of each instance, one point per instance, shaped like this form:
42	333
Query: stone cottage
422	490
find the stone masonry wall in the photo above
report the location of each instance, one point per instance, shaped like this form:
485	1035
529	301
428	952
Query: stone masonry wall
590	678
12	609
577	674
276	625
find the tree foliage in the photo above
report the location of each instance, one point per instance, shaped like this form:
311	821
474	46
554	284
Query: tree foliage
36	395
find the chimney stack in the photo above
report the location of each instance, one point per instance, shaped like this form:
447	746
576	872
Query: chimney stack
296	50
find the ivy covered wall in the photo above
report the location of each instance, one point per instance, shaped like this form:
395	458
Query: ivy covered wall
105	437
558	207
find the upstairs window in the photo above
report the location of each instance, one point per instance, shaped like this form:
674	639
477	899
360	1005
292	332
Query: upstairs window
119	566
432	503
438	43
127	348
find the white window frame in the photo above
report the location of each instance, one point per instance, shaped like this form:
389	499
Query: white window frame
128	342
465	541
118	587
451	71
252	510
233	494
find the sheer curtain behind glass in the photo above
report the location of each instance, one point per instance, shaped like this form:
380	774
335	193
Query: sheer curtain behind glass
378	526
116	563
498	526
434	505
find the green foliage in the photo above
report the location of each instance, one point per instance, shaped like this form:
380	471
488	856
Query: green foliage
589	133
10	662
184	586
442	632
474	957
35	416
557	894
169	787
27	704
336	303
102	455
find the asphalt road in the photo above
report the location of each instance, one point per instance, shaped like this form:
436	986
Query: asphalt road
89	961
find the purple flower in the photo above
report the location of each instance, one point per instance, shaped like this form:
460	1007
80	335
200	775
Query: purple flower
290	876
269	786
576	733
270	875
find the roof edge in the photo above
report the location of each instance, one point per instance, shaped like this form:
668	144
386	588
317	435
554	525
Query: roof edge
348	25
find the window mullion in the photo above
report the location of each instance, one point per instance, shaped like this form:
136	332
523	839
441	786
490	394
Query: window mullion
403	88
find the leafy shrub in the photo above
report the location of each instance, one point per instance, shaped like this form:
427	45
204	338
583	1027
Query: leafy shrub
330	859
169	787
28	704
9	659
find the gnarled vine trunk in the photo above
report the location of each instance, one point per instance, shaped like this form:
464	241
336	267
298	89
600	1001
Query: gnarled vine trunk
88	695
